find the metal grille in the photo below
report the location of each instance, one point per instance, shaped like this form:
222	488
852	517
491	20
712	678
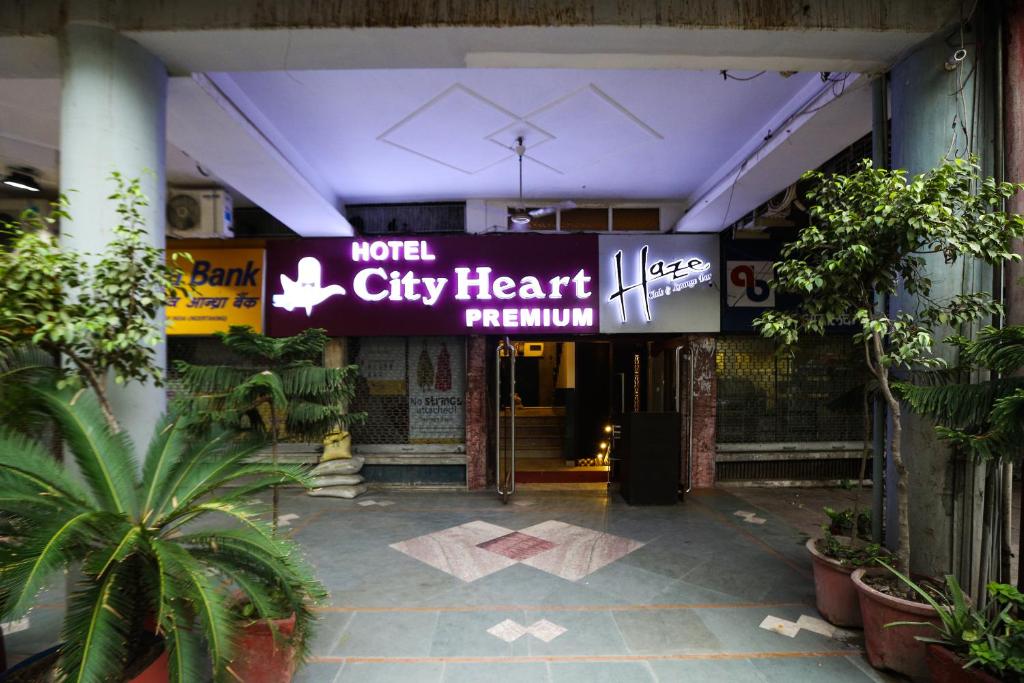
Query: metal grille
385	219
198	351
812	395
789	470
412	390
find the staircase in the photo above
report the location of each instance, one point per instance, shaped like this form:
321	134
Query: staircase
539	436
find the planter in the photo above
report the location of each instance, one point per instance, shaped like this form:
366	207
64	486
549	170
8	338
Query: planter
834	592
260	659
39	667
945	666
156	672
894	648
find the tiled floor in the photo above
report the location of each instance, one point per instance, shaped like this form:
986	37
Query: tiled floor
565	586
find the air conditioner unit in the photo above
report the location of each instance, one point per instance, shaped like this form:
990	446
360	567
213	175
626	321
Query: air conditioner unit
11	210
203	214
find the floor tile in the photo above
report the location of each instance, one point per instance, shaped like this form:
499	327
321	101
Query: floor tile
652	632
578	551
831	669
586	633
403	672
317	673
602	672
731	671
527	672
388	634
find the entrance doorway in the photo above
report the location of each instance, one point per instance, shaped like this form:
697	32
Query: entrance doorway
562	395
559	407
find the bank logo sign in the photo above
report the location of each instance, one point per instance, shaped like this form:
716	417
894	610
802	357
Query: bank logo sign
507	284
749	284
227	289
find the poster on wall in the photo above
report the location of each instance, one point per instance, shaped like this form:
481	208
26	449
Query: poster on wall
228	290
437	390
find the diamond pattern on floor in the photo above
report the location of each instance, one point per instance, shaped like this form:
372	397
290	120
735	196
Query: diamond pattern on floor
511	631
476	549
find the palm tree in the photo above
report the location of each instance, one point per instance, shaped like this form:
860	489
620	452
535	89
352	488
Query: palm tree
985	419
278	389
151	555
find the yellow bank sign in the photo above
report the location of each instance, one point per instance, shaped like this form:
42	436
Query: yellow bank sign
227	289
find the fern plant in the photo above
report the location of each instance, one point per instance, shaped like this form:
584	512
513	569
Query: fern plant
151	556
985	419
280	389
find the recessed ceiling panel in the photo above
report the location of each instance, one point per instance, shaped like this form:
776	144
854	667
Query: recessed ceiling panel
452	129
588	126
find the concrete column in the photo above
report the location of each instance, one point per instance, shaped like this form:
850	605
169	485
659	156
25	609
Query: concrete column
1014	117
113	118
705	409
927	112
476	413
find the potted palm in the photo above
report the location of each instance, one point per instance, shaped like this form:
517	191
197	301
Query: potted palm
157	573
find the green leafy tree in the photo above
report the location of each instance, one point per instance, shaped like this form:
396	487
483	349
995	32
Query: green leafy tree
149	546
984	419
279	389
867	240
100	310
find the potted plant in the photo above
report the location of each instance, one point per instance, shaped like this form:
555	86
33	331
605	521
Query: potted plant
866	241
157	573
971	645
278	389
834	557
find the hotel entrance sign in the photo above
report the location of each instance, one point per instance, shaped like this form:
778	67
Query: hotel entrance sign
495	284
465	284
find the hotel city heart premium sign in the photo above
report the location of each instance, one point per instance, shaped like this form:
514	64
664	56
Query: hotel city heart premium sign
494	284
457	284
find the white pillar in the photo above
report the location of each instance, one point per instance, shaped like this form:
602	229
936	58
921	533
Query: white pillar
113	118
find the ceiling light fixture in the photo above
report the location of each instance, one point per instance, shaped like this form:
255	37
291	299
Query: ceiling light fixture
519	215
22	178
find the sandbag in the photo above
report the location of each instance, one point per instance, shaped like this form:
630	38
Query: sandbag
340	491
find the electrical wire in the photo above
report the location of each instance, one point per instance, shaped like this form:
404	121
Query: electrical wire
726	76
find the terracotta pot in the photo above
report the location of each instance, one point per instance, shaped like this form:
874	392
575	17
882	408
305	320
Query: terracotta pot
945	666
261	660
154	673
895	648
834	593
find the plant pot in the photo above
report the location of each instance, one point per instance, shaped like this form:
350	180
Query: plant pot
945	666
260	659
156	672
835	595
895	648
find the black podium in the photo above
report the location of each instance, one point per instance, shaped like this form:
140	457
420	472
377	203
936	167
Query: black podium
649	452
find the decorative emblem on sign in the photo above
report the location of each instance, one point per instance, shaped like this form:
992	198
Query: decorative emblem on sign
305	290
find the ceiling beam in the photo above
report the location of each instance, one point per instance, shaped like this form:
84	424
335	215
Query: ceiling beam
204	123
800	137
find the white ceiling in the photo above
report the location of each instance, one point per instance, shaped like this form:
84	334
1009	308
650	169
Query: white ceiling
301	144
432	134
